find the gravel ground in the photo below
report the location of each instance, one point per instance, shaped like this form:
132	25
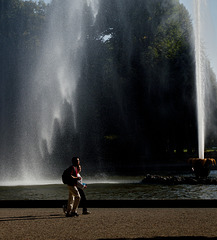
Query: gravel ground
109	223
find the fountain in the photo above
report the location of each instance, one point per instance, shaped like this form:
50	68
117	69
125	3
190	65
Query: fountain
129	123
200	79
200	166
47	98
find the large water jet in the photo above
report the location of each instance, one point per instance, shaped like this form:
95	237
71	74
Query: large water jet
201	166
200	78
47	96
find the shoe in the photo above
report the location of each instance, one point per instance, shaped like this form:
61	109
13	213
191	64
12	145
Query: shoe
74	214
68	215
86	212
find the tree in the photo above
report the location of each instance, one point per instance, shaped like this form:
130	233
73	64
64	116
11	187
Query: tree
142	88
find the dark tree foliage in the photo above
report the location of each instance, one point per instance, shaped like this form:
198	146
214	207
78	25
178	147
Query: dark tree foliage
139	80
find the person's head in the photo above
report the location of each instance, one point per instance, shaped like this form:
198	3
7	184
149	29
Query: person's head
79	168
75	161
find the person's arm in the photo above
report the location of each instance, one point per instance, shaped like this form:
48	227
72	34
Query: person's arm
74	173
77	178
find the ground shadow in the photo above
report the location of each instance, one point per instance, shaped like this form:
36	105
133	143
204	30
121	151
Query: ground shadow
29	217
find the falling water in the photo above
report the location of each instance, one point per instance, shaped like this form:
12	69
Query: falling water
50	89
200	76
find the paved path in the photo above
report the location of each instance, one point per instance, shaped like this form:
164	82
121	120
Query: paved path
109	223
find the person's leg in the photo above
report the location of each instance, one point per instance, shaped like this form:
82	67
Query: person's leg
77	198
70	199
83	200
65	207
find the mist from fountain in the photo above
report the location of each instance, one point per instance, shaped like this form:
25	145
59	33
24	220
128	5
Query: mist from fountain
50	89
